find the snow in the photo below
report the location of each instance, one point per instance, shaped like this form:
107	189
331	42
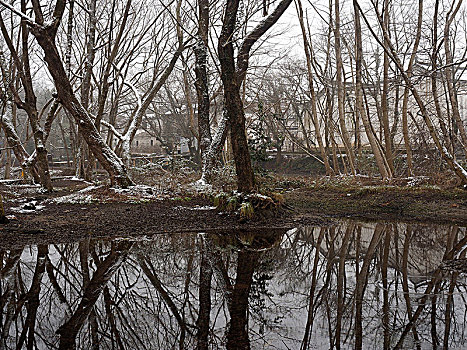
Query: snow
28	208
81	196
201	186
103	194
196	207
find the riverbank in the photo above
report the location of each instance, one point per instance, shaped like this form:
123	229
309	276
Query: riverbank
78	209
387	203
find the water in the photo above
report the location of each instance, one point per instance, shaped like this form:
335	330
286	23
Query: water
348	285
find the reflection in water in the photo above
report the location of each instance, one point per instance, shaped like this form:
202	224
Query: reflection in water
349	285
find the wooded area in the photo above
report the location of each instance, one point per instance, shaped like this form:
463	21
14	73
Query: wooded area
363	87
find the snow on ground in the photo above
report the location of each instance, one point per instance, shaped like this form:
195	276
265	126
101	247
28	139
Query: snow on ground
28	208
105	194
196	207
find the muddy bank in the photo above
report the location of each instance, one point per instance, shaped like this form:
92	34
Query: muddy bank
148	211
382	203
62	223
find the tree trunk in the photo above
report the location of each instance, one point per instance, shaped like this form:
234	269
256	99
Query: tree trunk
204	296
341	92
379	158
314	112
450	78
30	101
385	102
233	105
104	272
232	78
16	145
111	163
86	84
201	83
237	335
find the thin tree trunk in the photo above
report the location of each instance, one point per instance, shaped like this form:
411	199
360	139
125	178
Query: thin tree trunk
314	113
362	279
450	77
453	165
341	91
204	295
384	99
106	269
341	282
16	145
86	84
311	297
384	277
379	157
405	281
30	101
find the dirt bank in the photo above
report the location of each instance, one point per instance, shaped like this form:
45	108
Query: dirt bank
76	210
383	203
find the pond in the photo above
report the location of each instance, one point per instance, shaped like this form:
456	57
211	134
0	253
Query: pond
347	285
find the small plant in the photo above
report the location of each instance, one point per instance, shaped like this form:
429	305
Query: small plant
232	204
246	206
220	201
246	210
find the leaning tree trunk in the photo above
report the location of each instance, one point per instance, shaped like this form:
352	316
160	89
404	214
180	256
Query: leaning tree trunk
451	162
449	73
29	105
385	103
16	145
314	112
112	164
86	84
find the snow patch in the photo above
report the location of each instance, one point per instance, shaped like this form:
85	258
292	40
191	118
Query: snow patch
28	208
196	207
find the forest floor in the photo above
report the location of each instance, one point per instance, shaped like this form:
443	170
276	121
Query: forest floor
77	209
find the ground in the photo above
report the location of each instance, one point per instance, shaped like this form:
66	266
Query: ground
77	209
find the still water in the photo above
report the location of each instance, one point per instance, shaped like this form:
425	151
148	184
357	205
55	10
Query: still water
349	285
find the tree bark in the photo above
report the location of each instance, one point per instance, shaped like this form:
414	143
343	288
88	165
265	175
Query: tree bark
233	105
204	295
341	91
29	105
449	73
314	112
201	83
232	78
379	157
237	335
16	145
384	100
112	164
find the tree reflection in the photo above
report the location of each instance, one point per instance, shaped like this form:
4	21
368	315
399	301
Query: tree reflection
348	285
